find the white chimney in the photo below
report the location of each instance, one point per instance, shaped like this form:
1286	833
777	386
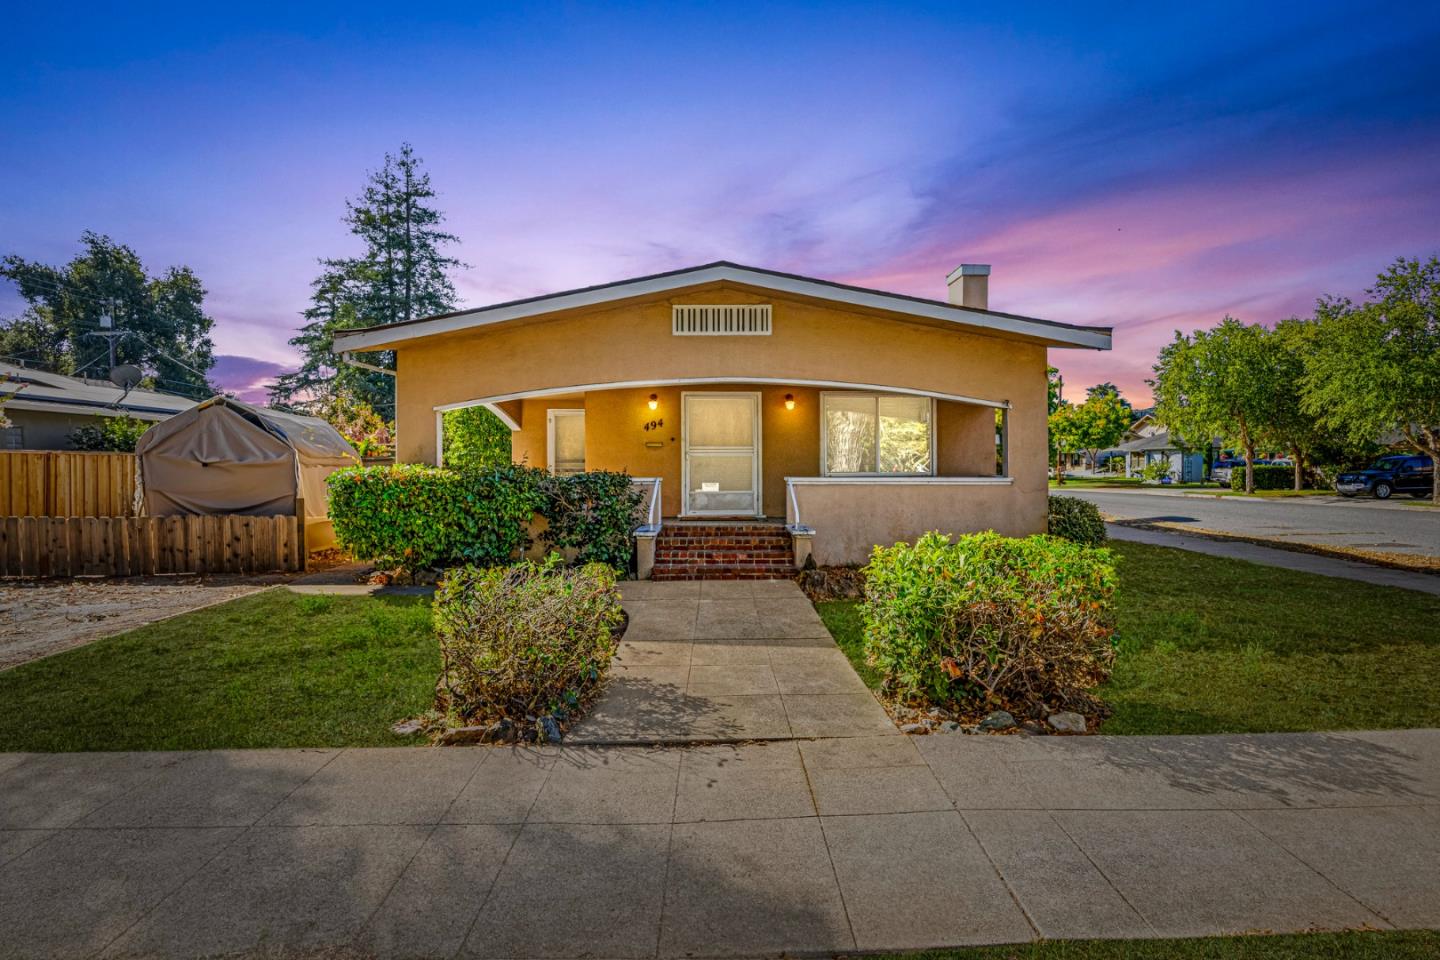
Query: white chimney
969	285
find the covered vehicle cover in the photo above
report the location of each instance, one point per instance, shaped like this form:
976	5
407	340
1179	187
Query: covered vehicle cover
225	456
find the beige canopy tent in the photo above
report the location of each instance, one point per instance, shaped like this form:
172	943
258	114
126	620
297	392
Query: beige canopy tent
224	456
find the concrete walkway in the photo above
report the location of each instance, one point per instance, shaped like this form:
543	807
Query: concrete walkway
799	847
724	662
1287	559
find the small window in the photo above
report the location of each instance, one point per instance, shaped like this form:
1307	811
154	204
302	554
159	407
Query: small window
877	434
12	438
565	442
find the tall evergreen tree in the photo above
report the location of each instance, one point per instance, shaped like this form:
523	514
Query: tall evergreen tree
403	274
162	318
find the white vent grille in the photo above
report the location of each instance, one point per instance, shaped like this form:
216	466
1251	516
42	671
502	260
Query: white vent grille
721	320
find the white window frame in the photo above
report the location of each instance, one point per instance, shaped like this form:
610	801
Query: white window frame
825	395
759	474
550	435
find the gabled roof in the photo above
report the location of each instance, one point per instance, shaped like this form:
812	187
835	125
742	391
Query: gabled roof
1050	331
31	389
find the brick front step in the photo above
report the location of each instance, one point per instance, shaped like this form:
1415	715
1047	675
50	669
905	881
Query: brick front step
723	573
723	551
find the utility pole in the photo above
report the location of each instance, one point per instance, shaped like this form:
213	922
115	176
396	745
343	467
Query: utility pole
108	332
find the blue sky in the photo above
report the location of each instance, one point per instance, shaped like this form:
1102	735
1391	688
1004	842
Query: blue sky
1149	169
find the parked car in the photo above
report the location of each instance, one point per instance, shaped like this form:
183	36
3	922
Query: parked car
1397	473
1224	470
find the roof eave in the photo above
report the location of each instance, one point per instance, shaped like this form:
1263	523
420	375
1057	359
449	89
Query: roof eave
1053	334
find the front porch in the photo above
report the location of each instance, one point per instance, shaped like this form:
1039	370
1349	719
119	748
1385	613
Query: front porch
797	469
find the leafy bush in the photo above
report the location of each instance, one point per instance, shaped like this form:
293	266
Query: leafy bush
117	434
990	621
524	642
1155	471
596	513
475	439
416	517
1076	519
1268	476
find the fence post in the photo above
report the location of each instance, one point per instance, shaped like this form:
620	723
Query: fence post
302	555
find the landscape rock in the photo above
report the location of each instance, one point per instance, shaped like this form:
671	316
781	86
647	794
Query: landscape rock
950	726
999	720
915	728
1067	722
407	728
551	728
1032	729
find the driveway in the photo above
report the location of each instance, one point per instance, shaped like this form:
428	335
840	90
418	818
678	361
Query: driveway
727	661
818	847
1329	521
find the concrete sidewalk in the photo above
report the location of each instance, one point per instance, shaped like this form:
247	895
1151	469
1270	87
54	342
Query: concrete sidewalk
816	846
1286	559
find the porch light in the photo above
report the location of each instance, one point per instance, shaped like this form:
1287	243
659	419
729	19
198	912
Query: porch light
789	401
654	401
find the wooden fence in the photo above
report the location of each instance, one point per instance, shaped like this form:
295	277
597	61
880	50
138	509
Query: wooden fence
136	546
55	483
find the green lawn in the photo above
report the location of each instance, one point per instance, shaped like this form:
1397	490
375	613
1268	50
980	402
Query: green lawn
271	670
1370	945
1210	645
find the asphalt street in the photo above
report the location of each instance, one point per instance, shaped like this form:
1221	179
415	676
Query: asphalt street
1384	526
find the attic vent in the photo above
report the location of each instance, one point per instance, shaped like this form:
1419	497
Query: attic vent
721	320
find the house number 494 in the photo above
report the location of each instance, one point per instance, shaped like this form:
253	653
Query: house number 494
654	425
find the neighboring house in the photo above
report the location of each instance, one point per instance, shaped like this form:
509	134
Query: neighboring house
44	407
1147	442
860	417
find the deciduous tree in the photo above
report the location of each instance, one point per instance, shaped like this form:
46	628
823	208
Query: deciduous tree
1375	367
1218	382
162	318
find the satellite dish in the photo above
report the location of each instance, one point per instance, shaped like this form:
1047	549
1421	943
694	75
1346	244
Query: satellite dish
126	376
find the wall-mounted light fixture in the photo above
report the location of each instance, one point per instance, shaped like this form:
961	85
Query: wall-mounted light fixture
789	401
654	401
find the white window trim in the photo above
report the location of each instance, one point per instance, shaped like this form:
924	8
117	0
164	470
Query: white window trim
550	434
759	474
825	443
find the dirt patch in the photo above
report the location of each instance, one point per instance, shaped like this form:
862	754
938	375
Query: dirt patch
44	617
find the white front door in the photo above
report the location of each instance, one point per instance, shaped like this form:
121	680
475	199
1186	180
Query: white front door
565	441
721	453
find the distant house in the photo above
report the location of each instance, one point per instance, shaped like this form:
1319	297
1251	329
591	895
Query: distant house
44	407
1147	442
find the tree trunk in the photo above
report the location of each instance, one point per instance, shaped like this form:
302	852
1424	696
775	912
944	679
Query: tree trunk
1249	468
1299	467
1059	469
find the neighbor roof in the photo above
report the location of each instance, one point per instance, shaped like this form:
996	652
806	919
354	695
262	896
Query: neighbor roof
30	389
1054	333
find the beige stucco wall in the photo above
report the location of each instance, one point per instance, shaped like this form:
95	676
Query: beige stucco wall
850	519
811	340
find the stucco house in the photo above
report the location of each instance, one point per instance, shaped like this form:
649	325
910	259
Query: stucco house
772	417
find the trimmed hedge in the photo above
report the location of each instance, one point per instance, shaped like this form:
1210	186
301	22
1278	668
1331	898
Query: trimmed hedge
990	621
1268	476
525	645
1077	520
416	517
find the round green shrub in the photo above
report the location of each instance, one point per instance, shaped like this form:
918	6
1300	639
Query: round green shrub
990	621
1076	519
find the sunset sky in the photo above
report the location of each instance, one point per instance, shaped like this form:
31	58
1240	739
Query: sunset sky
1150	167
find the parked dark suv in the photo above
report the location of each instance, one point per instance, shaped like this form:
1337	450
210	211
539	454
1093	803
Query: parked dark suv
1400	473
